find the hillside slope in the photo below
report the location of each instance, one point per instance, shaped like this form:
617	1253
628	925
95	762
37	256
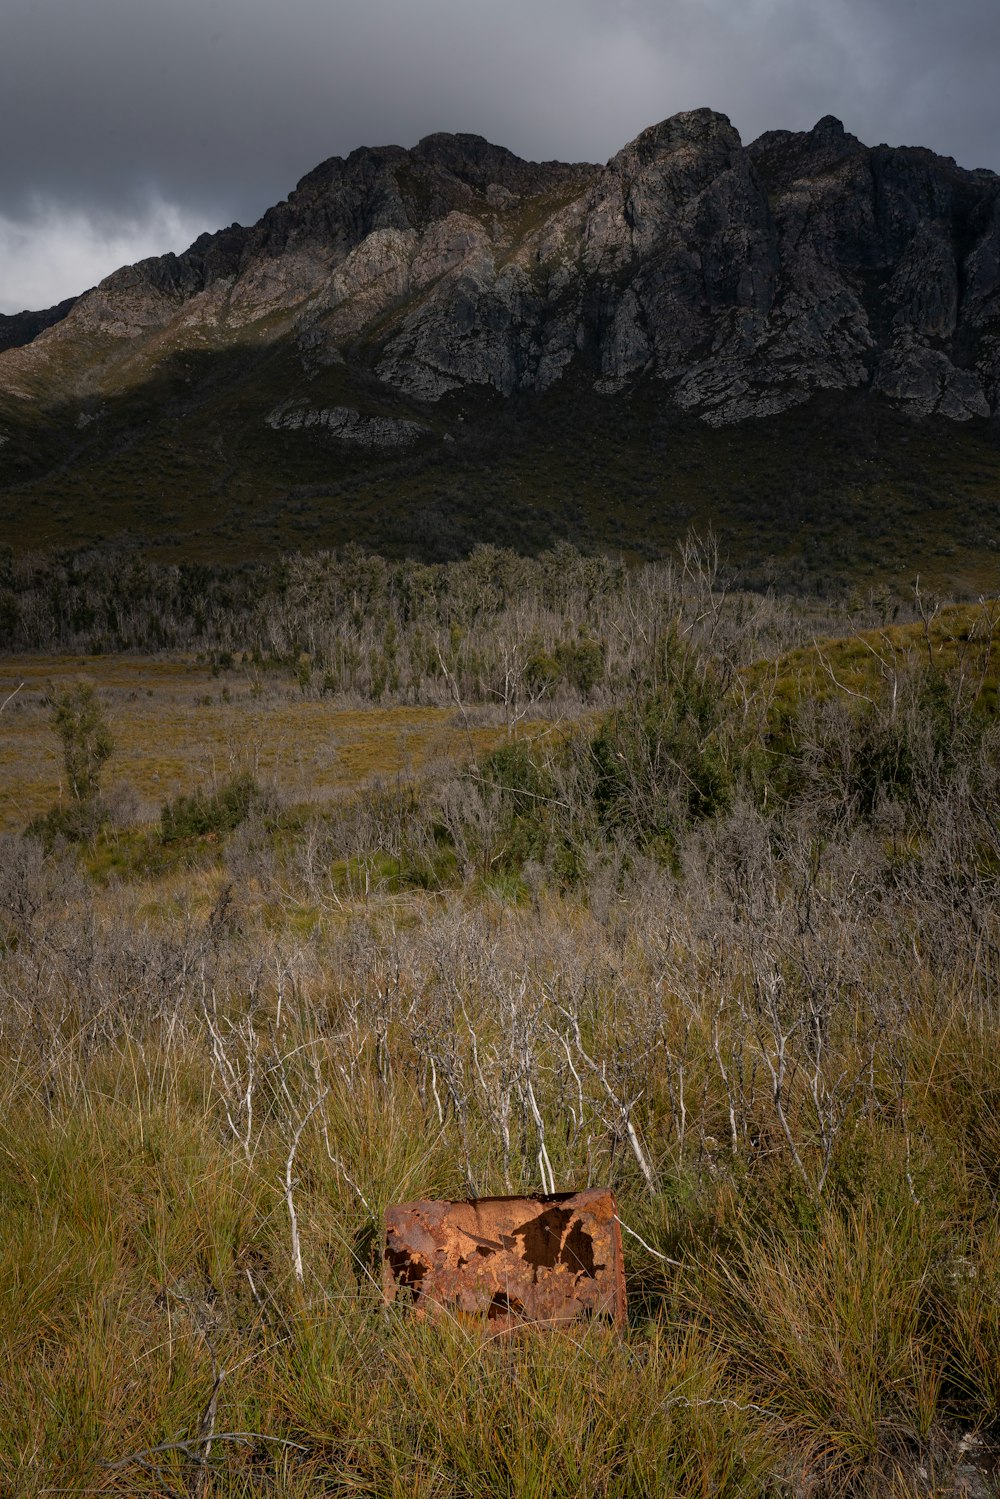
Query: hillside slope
411	326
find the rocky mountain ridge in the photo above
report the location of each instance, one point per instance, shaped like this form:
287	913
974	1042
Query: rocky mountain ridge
795	342
743	278
20	328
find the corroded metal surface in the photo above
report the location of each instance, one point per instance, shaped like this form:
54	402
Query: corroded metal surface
509	1260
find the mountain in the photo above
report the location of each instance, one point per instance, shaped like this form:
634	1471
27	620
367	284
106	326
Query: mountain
21	327
413	325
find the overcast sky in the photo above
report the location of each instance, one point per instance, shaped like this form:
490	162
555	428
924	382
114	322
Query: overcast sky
129	126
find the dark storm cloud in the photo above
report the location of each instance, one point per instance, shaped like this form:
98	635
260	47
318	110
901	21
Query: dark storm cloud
128	123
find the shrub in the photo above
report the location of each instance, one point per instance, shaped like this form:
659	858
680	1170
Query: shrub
209	812
904	746
667	757
581	662
77	822
541	671
517	790
78	720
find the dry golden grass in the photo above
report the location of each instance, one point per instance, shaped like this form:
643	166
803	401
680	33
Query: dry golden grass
780	1049
833	1348
176	727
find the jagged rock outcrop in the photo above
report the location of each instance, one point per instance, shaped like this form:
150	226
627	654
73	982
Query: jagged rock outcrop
347	424
743	279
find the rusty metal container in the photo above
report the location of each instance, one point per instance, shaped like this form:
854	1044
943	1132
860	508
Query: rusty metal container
508	1260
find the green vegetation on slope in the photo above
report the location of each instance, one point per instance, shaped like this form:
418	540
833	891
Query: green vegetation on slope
845	489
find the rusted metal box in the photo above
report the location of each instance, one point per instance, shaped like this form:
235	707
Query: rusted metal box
510	1260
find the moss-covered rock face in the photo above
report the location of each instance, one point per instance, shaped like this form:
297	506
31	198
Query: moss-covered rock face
427	348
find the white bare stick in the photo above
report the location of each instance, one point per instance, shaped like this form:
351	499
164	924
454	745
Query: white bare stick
717	1048
453	686
289	1197
544	1164
186	1447
577	1079
434	1090
10	696
623	1109
840	686
648	1247
206	1432
637	1150
730	1405
335	1159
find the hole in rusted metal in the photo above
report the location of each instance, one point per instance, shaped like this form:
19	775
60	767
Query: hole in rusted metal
578	1251
407	1271
503	1305
509	1260
542	1237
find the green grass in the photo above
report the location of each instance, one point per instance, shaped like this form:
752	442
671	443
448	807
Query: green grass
775	1038
956	642
144	1249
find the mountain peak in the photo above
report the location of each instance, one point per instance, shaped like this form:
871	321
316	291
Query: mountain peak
479	163
688	127
828	128
447	143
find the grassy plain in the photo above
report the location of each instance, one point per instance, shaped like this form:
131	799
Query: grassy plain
176	726
728	941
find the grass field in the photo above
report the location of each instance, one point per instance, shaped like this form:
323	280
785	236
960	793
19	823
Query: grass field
176	727
729	943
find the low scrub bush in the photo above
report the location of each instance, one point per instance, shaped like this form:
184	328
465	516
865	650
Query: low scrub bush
204	814
75	822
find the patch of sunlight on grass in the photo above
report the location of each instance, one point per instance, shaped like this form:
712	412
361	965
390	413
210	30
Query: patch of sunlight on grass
176	727
960	638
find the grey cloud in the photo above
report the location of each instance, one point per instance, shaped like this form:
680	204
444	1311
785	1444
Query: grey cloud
54	251
217	107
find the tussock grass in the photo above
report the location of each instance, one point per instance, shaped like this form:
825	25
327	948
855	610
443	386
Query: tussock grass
155	1254
847	1337
731	950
